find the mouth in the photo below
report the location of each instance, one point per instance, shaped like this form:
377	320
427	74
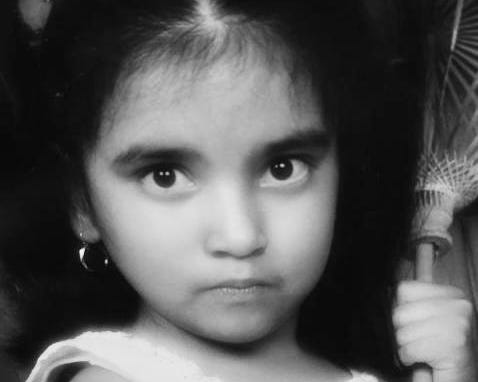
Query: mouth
242	287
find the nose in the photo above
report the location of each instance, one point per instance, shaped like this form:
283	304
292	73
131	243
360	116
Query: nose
236	227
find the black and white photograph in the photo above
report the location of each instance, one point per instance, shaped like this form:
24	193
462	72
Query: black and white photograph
239	191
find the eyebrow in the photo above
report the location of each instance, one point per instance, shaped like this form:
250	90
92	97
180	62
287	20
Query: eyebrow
305	139
140	154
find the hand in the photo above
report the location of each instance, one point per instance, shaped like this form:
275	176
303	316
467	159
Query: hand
433	326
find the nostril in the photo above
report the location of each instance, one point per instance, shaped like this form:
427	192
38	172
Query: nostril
236	245
261	243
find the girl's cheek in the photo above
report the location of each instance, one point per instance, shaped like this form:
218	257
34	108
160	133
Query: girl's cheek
132	224
302	233
301	228
305	221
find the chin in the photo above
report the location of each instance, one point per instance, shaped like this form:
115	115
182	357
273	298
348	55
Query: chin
238	334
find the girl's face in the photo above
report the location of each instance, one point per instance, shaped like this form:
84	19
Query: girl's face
215	199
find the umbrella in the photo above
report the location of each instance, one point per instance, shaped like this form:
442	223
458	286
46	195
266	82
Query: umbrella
447	179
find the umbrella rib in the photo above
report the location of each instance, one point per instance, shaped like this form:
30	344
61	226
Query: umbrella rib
470	97
459	104
469	58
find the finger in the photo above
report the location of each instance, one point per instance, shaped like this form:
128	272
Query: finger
438	352
412	312
450	330
410	291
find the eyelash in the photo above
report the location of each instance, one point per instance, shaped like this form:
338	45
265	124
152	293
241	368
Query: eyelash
309	161
146	176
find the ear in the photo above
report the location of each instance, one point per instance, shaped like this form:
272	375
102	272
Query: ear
83	223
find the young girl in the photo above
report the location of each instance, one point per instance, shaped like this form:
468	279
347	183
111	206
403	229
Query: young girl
201	143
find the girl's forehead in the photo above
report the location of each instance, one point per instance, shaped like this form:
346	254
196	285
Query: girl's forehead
164	86
222	103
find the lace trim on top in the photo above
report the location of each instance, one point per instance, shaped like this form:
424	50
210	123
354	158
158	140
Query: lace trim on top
132	358
362	377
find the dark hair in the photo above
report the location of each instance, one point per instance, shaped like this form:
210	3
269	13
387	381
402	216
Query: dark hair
90	48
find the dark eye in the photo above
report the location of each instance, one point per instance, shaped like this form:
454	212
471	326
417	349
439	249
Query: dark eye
285	172
164	177
167	180
282	169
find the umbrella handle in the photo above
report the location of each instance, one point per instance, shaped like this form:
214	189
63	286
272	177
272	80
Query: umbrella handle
424	262
424	272
422	373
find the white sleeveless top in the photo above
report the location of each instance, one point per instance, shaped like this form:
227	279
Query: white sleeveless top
130	357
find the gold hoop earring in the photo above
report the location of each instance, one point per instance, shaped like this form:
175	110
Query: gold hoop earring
93	259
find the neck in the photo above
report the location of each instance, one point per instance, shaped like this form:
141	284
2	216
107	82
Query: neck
211	355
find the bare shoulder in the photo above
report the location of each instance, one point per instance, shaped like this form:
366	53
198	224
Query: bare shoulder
97	374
